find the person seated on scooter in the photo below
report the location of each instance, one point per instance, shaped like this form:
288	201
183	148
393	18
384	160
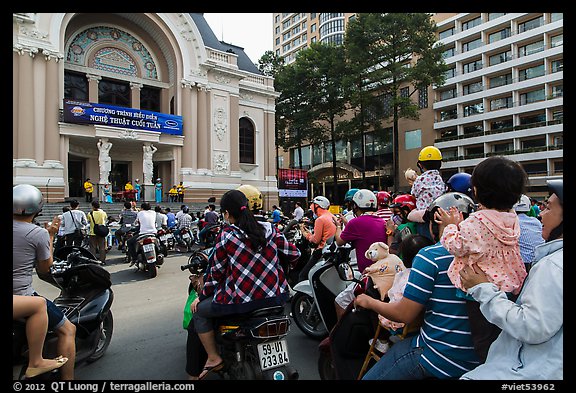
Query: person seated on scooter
211	219
361	232
32	249
243	273
34	310
276	215
324	229
146	223
184	222
127	217
443	347
161	218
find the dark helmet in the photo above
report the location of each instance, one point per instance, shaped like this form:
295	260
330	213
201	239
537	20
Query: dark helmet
460	182
185	209
556	186
26	200
461	201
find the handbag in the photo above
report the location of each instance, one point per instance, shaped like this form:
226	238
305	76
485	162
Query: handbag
99	229
77	232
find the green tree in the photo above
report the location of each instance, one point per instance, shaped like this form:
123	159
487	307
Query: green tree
388	51
326	91
270	64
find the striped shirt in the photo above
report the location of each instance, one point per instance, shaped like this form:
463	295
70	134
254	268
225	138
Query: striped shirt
530	236
384	213
445	333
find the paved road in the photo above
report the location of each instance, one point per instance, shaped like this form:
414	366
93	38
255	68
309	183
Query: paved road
149	342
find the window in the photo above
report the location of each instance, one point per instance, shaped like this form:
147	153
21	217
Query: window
557	65
448	53
471	23
535	167
413	139
532	96
531	24
501	124
473	66
114	92
404	92
557	40
473	129
470	45
75	86
451	73
502	147
537	142
423	97
499	35
475	151
294	158
531	72
448	114
500	58
472	88
150	98
557	91
530	49
246	141
446	33
500	103
448	133
447	94
313	28
531	119
494	15
473	109
556	16
317	154
500	80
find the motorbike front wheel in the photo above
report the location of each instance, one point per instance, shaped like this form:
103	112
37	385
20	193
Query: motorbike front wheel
307	317
104	337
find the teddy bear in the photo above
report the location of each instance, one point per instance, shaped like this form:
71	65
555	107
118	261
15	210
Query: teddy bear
410	175
384	268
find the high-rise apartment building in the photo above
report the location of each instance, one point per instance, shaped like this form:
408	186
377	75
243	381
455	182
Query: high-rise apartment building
502	95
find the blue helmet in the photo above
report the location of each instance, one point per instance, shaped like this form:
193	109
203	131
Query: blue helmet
460	182
350	194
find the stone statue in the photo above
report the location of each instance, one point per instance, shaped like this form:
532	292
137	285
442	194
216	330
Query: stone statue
104	159
148	166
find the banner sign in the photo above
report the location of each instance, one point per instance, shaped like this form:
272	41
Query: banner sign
116	116
293	183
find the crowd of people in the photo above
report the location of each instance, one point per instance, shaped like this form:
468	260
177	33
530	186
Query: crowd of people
482	288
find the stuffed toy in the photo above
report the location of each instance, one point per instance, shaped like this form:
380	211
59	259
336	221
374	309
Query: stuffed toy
410	175
384	268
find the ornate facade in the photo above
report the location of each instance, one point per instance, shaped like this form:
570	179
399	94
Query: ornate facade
160	64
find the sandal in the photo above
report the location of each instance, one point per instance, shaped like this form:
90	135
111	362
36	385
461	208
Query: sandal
208	369
32	372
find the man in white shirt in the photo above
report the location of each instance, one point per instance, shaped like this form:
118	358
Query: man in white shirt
298	212
146	220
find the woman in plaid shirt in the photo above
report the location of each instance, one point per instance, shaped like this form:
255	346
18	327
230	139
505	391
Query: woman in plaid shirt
243	274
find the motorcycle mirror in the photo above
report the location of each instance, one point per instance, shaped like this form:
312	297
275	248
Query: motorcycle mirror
346	273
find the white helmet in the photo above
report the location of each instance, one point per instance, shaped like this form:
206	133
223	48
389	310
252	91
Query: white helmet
523	205
321	201
26	200
365	199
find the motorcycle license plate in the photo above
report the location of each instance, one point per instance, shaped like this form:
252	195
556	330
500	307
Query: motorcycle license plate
148	247
273	354
163	238
186	236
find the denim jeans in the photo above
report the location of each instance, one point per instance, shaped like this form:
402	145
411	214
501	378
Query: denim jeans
401	361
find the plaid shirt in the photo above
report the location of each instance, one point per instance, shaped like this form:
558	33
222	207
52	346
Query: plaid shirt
238	276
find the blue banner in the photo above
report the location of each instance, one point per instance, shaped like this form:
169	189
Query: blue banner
116	116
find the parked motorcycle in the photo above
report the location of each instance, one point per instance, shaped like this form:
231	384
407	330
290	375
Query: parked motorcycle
294	235
148	254
85	298
163	236
252	345
312	306
186	240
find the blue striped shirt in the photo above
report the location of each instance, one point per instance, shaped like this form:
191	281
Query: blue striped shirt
445	333
530	236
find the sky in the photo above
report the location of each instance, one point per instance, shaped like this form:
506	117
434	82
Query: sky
251	31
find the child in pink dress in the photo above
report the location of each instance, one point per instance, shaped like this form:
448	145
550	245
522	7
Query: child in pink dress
488	238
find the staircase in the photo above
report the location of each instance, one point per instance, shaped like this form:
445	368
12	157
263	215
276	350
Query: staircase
50	210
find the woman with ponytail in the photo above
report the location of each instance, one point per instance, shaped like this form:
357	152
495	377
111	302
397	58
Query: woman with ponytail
243	274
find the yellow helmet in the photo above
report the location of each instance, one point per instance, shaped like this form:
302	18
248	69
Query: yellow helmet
430	153
253	195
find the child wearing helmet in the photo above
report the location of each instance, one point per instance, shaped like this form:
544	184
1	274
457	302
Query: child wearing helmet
487	239
429	185
399	226
383	198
